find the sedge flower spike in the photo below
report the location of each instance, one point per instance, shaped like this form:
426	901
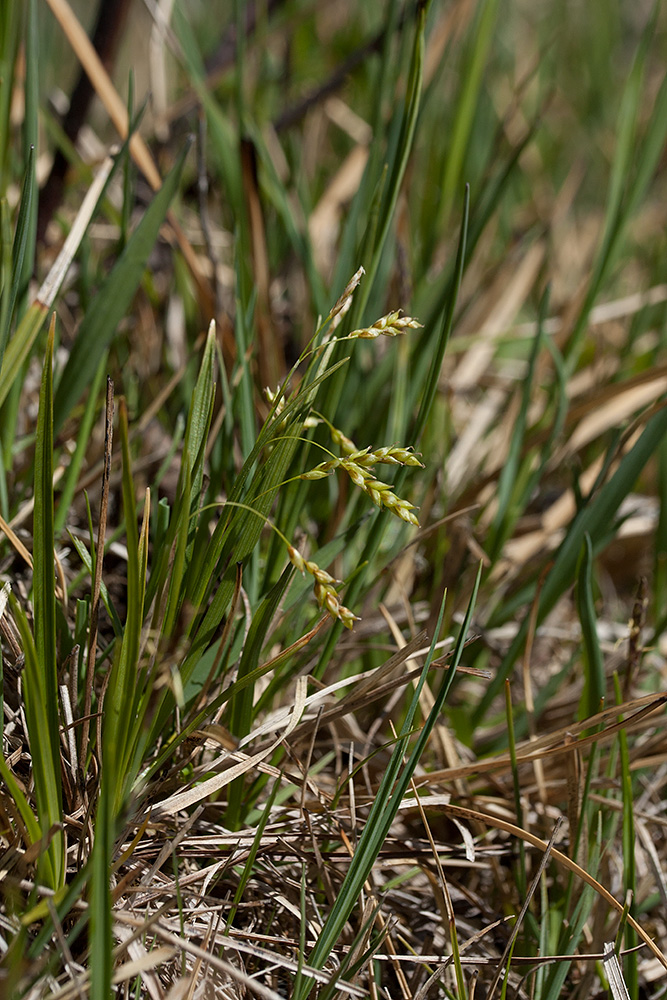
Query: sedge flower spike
325	591
391	325
359	464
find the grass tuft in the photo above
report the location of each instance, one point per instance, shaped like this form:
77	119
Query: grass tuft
333	647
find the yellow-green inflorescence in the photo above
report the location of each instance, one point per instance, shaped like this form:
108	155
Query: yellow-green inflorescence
358	463
392	325
325	589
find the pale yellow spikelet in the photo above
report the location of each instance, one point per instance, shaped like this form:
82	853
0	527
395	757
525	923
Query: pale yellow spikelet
322	470
324	588
296	558
347	446
357	474
392	455
347	617
391	325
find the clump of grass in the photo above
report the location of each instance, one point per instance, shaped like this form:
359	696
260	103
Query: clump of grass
209	780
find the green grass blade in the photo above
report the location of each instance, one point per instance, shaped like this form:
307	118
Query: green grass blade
21	236
398	167
471	82
252	856
595	520
660	546
185	524
627	187
14	789
44	583
101	939
71	476
121	725
241	707
427	391
521	875
246	410
652	148
487	202
45	763
6	272
629	843
594	680
389	72
10	28
278	196
87	561
388	798
572	929
180	525
112	302
503	521
30	139
41	677
19	347
238	531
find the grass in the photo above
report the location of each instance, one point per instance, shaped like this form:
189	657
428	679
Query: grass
333	618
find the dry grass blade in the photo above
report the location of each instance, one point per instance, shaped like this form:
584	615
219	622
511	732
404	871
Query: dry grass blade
627	401
23	339
233	944
566	862
501	970
654	860
54	279
441	885
183	800
15	541
366	691
612	967
516	284
561	741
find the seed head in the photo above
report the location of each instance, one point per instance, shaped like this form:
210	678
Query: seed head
324	588
391	325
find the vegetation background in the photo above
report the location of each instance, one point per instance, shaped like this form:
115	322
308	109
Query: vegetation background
333	499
